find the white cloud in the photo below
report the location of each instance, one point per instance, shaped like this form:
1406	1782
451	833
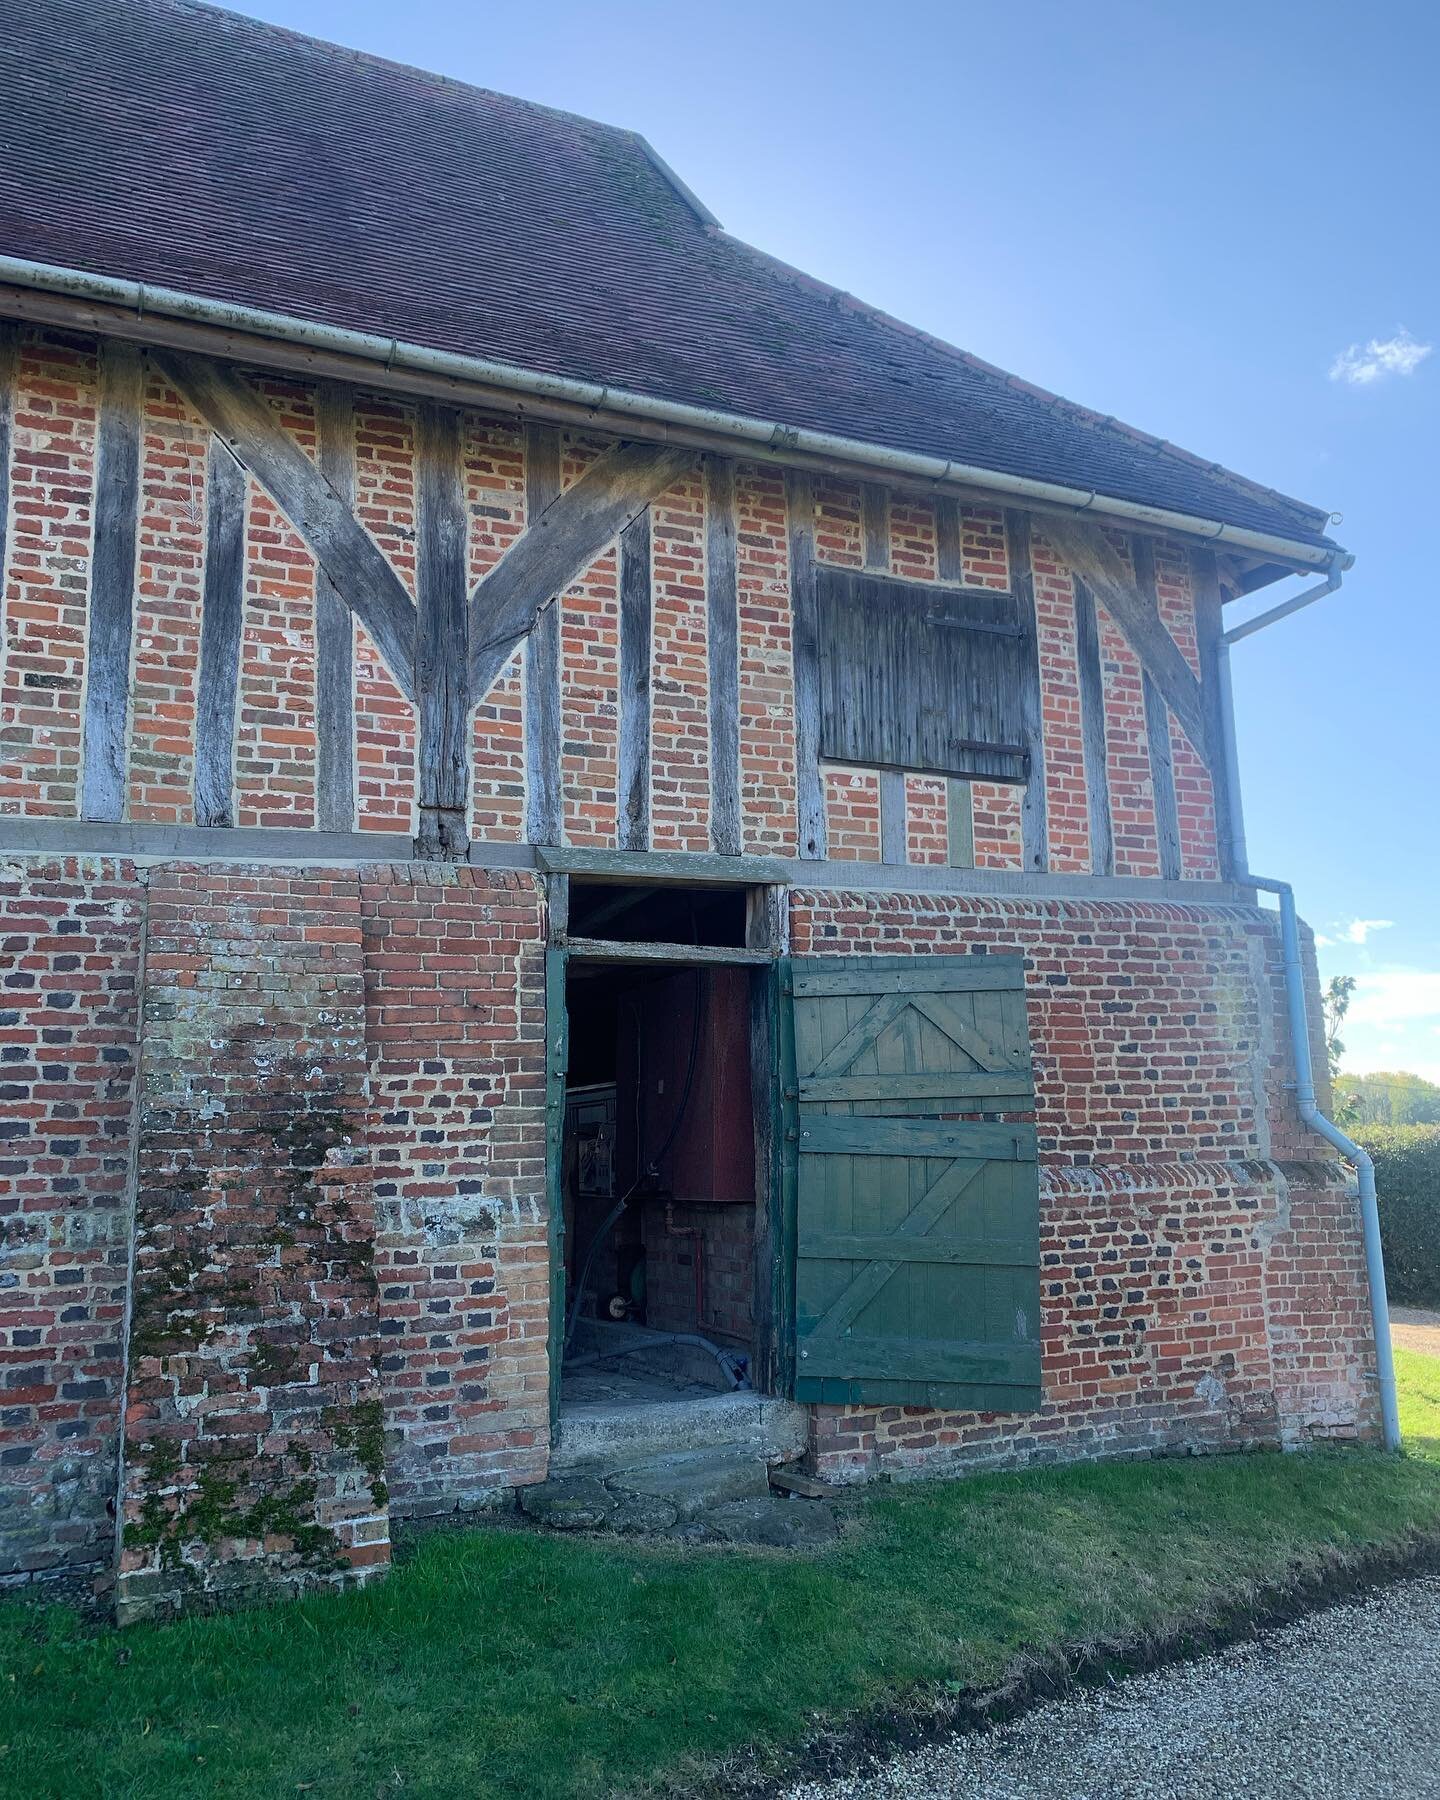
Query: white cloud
1380	357
1387	999
1354	931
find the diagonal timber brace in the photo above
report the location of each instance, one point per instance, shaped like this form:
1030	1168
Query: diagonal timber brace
1084	548
573	529
354	562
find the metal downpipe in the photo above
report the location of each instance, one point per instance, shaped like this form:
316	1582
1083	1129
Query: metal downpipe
1311	1116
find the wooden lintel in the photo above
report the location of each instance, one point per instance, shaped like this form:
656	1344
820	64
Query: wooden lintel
613	950
683	866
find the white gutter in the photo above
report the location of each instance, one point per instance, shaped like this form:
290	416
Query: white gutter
227	315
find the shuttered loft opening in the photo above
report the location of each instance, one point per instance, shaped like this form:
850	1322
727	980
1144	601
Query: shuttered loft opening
917	1219
918	676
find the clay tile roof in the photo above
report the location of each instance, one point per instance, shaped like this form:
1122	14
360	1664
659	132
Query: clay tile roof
174	144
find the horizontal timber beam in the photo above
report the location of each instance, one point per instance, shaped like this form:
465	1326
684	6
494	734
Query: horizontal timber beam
664	865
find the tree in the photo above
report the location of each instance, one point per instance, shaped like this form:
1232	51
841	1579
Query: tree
1335	1003
1388	1097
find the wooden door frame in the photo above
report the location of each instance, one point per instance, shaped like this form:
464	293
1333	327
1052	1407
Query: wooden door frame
772	1337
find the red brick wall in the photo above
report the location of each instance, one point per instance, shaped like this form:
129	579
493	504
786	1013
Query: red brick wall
1196	1291
70	959
455	1021
723	1237
42	630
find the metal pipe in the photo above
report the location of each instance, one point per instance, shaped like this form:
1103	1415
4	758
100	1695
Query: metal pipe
1312	1117
1329	585
769	435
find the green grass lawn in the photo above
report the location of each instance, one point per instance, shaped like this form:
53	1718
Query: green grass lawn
497	1662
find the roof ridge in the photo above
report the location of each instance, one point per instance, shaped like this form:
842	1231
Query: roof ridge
1162	447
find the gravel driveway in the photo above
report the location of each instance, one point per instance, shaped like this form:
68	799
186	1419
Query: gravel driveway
1346	1703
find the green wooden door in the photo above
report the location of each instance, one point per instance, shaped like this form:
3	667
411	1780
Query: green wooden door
917	1195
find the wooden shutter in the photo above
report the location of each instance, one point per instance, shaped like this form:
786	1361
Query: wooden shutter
917	1218
917	676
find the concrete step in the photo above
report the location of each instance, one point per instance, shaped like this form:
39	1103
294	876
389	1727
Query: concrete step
597	1438
695	1481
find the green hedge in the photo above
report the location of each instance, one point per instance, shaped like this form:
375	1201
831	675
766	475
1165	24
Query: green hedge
1407	1179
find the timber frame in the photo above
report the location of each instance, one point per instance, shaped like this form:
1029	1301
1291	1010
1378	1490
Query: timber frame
446	647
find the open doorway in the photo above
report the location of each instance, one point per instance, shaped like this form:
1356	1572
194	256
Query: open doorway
661	1181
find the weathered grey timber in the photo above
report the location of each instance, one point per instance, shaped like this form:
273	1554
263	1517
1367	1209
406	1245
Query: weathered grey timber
915	676
9	372
722	625
893	835
1084	548
1034	827
335	627
1092	730
1157	729
222	622
810	781
960	823
662	865
106	728
949	560
543	728
633	750
573	530
618	951
442	691
347	553
1205	591
876	511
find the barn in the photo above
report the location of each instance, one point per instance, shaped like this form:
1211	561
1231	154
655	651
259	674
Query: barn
601	846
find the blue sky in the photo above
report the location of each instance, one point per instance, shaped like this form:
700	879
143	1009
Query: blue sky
1184	216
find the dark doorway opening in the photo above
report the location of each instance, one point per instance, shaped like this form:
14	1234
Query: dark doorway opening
659	1182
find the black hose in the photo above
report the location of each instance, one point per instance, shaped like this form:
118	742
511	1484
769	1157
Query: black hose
652	1168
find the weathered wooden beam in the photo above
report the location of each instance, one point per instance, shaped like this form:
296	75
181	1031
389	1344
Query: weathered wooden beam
354	562
1034	826
810	784
222	621
893	822
1084	548
1209	625
572	531
1157	729
1092	730
617	951
722	601
949	560
544	809
876	524
442	692
636	620
105	733
9	375
335	627
960	824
